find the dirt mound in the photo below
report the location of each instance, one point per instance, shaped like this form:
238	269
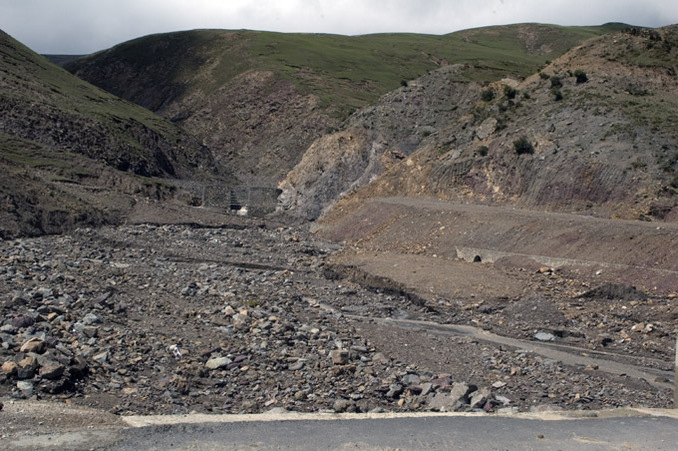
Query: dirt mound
617	292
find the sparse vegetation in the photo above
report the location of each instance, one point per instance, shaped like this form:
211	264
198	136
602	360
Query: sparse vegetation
581	76
523	146
557	94
482	151
556	82
341	70
544	76
487	94
510	92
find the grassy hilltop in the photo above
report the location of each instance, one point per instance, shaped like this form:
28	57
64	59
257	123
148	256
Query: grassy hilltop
239	90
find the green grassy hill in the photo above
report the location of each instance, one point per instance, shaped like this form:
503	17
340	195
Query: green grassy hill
197	78
70	152
44	103
354	70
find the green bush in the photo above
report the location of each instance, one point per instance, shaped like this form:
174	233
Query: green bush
487	95
544	76
510	92
483	151
403	83
581	76
558	95
556	82
523	145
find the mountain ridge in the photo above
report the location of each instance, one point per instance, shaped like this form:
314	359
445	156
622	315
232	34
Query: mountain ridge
259	99
74	154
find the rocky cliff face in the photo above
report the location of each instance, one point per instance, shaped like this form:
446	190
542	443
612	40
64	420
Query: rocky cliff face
374	140
594	132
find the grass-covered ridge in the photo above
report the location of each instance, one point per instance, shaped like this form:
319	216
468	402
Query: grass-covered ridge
44	103
351	71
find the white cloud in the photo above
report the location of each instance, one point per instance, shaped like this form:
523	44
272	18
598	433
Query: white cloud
81	26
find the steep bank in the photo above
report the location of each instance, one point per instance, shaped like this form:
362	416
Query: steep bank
593	132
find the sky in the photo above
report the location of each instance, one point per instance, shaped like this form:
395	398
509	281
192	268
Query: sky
85	26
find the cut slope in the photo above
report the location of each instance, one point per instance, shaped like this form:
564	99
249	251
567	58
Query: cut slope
603	143
259	99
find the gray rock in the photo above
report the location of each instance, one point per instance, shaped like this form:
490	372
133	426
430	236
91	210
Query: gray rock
460	391
52	370
479	398
299	364
101	357
544	336
78	327
502	399
8	329
410	379
444	402
26	372
339	356
33	345
90	331
91	318
453	400
217	362
343	405
394	390
26	388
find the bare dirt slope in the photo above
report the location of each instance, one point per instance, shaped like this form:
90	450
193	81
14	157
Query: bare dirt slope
593	132
599	284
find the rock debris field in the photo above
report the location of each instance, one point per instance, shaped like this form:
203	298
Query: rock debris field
244	318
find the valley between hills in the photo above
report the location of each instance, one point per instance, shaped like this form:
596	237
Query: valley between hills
235	221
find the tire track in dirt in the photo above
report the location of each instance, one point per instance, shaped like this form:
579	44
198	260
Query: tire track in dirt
569	355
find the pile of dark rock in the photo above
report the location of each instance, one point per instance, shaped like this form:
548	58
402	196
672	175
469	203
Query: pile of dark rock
174	319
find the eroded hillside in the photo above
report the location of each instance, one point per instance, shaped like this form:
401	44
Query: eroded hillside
593	132
259	100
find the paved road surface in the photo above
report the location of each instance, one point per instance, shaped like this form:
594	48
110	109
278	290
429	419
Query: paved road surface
614	430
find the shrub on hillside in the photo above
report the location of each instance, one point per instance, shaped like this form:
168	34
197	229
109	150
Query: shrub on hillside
558	95
487	95
523	145
581	76
510	92
556	82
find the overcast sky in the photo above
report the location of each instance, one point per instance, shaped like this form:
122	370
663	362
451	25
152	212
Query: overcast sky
84	26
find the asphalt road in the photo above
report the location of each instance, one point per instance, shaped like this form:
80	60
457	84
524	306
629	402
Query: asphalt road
623	429
420	433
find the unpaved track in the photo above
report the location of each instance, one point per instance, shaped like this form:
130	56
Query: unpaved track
640	253
569	355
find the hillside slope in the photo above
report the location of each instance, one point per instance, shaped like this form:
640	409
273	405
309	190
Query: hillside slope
63	140
594	132
259	99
